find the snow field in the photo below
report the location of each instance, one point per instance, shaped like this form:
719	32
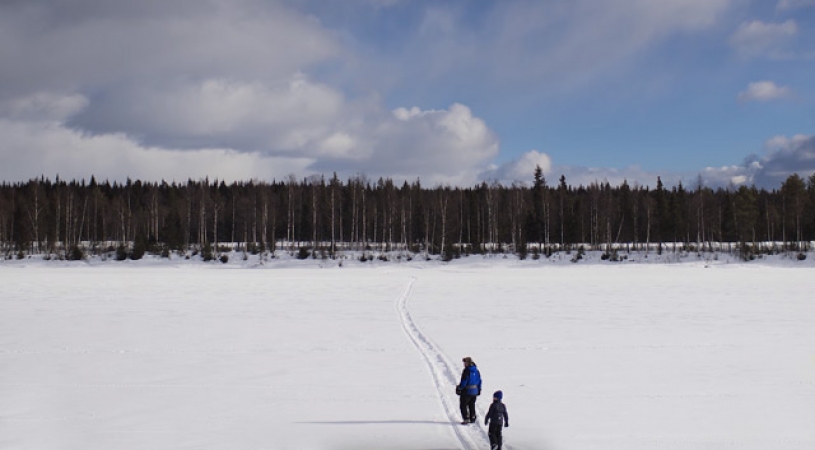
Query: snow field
653	357
589	357
196	358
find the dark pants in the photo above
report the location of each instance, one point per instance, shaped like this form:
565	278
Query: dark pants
495	435
467	404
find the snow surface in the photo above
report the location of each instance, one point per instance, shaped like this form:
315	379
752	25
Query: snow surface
151	355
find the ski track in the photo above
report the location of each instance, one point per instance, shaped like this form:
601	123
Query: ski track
472	437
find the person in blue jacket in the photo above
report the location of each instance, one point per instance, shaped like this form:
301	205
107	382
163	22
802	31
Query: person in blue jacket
469	389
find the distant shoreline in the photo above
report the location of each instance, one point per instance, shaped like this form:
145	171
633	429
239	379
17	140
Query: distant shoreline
236	259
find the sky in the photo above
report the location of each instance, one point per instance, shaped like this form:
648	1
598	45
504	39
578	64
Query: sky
450	92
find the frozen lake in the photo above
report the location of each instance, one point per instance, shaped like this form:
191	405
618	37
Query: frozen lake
653	357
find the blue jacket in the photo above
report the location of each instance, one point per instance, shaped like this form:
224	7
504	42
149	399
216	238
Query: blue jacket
470	381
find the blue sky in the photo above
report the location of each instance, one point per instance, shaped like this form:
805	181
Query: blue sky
670	103
451	91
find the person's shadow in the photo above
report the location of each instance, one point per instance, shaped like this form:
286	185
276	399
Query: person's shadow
378	422
385	422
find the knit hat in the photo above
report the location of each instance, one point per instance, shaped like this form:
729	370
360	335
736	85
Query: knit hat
498	394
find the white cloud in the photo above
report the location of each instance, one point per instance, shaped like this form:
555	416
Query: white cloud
190	89
725	176
760	39
218	79
784	5
521	169
440	146
106	47
633	175
783	157
779	143
212	86
277	116
763	91
31	149
564	43
738	180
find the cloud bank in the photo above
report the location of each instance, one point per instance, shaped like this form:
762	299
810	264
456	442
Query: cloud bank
783	156
259	89
206	88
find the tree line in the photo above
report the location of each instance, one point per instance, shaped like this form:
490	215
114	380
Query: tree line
331	215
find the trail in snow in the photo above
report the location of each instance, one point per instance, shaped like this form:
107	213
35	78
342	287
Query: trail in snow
444	377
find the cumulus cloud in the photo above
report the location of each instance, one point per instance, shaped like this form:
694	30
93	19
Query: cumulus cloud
786	156
763	91
449	145
760	39
274	117
182	74
195	85
520	169
783	156
31	149
439	146
782	143
726	176
249	88
110	46
633	175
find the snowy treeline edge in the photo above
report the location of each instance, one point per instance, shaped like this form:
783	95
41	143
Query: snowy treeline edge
332	219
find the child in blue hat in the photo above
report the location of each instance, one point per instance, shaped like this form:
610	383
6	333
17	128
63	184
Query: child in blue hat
497	418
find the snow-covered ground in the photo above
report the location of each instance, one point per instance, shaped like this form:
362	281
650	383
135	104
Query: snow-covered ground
152	355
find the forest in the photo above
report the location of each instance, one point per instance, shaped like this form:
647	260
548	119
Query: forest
324	217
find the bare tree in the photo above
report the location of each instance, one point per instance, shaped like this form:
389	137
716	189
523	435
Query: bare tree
444	200
290	220
35	212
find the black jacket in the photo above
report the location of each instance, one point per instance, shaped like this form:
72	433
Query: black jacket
497	414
